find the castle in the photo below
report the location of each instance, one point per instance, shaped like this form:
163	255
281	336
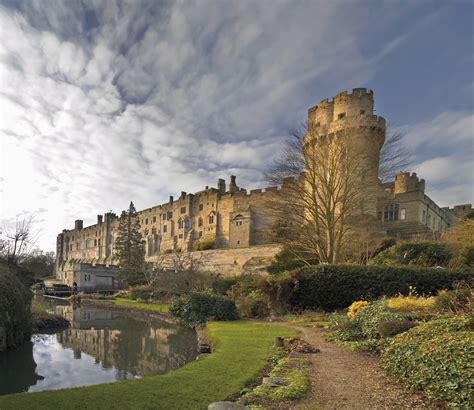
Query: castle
232	218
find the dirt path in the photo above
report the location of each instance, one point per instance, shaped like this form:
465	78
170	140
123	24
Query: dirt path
345	379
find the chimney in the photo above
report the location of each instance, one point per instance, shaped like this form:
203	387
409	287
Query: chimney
183	194
99	219
221	185
233	185
78	224
171	199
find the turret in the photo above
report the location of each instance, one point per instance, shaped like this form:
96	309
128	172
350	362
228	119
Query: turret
404	182
78	224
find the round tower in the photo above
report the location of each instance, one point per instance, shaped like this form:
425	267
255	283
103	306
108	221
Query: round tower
349	118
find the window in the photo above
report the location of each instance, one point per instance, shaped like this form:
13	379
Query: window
341	115
165	228
154	219
183	210
211	218
238	242
390	212
429	219
187	223
180	236
201	207
164	217
169	215
200	234
424	216
78	246
180	224
95	242
200	221
72	239
403	213
146	221
362	112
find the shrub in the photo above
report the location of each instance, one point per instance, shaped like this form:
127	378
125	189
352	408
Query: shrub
286	261
337	286
142	292
390	328
454	301
412	305
347	330
423	254
15	305
356	307
198	307
371	316
204	244
252	305
436	356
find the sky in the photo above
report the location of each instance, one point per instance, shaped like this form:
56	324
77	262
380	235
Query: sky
103	102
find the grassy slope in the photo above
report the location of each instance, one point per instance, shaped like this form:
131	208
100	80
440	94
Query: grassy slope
160	307
240	352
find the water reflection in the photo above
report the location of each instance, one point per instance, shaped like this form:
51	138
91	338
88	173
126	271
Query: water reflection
100	346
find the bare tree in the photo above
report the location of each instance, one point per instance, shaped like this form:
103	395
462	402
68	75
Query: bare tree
328	192
394	156
16	243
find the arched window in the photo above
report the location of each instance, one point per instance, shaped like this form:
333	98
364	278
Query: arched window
211	218
187	223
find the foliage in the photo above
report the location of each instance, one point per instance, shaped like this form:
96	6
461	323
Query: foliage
356	307
204	244
458	300
40	263
294	371
346	330
390	328
129	247
286	260
371	316
436	356
240	352
412	305
337	286
252	305
199	307
15	305
143	292
309	319
460	239
422	254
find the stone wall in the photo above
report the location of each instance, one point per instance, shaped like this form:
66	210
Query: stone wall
234	262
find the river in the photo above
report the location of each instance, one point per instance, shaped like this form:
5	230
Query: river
100	346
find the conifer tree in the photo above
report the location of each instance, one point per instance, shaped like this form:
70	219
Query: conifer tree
129	247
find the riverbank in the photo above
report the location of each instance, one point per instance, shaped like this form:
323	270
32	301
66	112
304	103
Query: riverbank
240	352
42	320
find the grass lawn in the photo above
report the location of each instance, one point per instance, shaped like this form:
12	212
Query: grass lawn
240	352
160	307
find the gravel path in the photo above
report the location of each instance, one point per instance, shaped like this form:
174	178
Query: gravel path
346	379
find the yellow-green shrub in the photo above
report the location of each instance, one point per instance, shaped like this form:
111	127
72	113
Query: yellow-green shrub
356	307
411	304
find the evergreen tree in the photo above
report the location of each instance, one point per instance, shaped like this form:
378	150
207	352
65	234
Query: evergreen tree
130	250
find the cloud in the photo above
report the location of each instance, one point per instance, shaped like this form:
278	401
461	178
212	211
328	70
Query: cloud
103	102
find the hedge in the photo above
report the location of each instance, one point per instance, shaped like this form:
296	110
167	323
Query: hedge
15	306
337	286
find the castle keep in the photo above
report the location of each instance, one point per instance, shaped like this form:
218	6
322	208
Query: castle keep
229	217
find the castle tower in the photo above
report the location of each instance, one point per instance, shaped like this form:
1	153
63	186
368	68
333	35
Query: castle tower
350	117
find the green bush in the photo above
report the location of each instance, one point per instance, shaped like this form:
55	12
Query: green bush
286	261
436	356
370	318
15	305
337	286
423	254
252	305
142	292
199	307
390	328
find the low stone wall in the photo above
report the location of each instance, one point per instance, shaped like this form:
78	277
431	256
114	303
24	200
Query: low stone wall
233	262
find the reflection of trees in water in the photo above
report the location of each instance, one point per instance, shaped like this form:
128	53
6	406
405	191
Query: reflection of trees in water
18	369
137	345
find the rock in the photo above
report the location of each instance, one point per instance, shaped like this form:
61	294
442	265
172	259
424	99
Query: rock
225	405
204	348
274	382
